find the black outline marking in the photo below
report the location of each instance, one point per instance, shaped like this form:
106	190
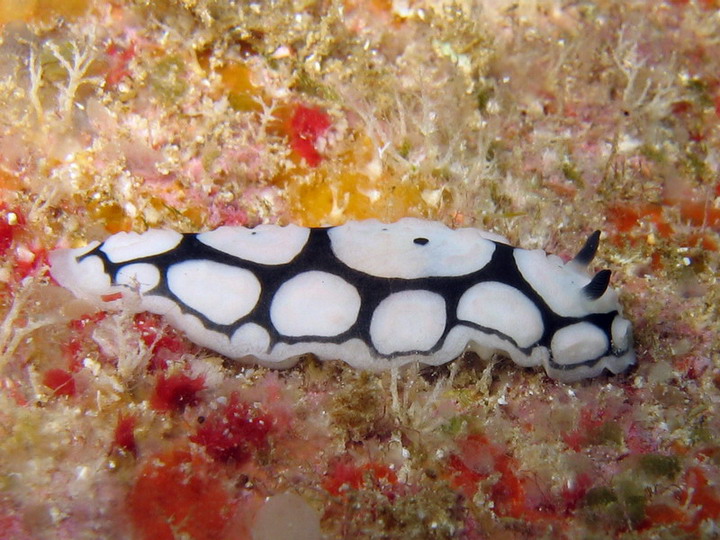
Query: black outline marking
317	254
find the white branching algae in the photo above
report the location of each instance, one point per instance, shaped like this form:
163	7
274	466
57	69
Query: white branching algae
375	295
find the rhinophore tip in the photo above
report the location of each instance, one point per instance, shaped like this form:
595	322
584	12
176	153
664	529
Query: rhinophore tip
598	285
587	252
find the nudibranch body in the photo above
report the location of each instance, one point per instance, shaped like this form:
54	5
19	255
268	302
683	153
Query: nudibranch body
372	294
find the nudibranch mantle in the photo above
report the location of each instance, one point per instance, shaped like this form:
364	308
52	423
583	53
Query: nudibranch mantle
372	294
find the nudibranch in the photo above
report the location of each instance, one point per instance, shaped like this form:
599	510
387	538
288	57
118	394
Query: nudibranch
372	294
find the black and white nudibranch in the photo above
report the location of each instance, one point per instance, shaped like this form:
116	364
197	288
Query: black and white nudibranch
372	294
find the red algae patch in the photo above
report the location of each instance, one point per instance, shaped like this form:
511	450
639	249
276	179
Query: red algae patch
344	476
61	382
124	436
11	222
177	495
306	126
165	343
479	459
235	433
175	392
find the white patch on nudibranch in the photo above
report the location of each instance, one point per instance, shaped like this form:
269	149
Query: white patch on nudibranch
354	350
485	345
143	276
578	342
621	332
408	321
249	339
126	246
562	293
91	276
503	308
86	278
222	293
315	304
265	244
164	306
410	249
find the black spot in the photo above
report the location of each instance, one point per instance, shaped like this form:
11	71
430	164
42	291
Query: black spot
253	233
421	241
